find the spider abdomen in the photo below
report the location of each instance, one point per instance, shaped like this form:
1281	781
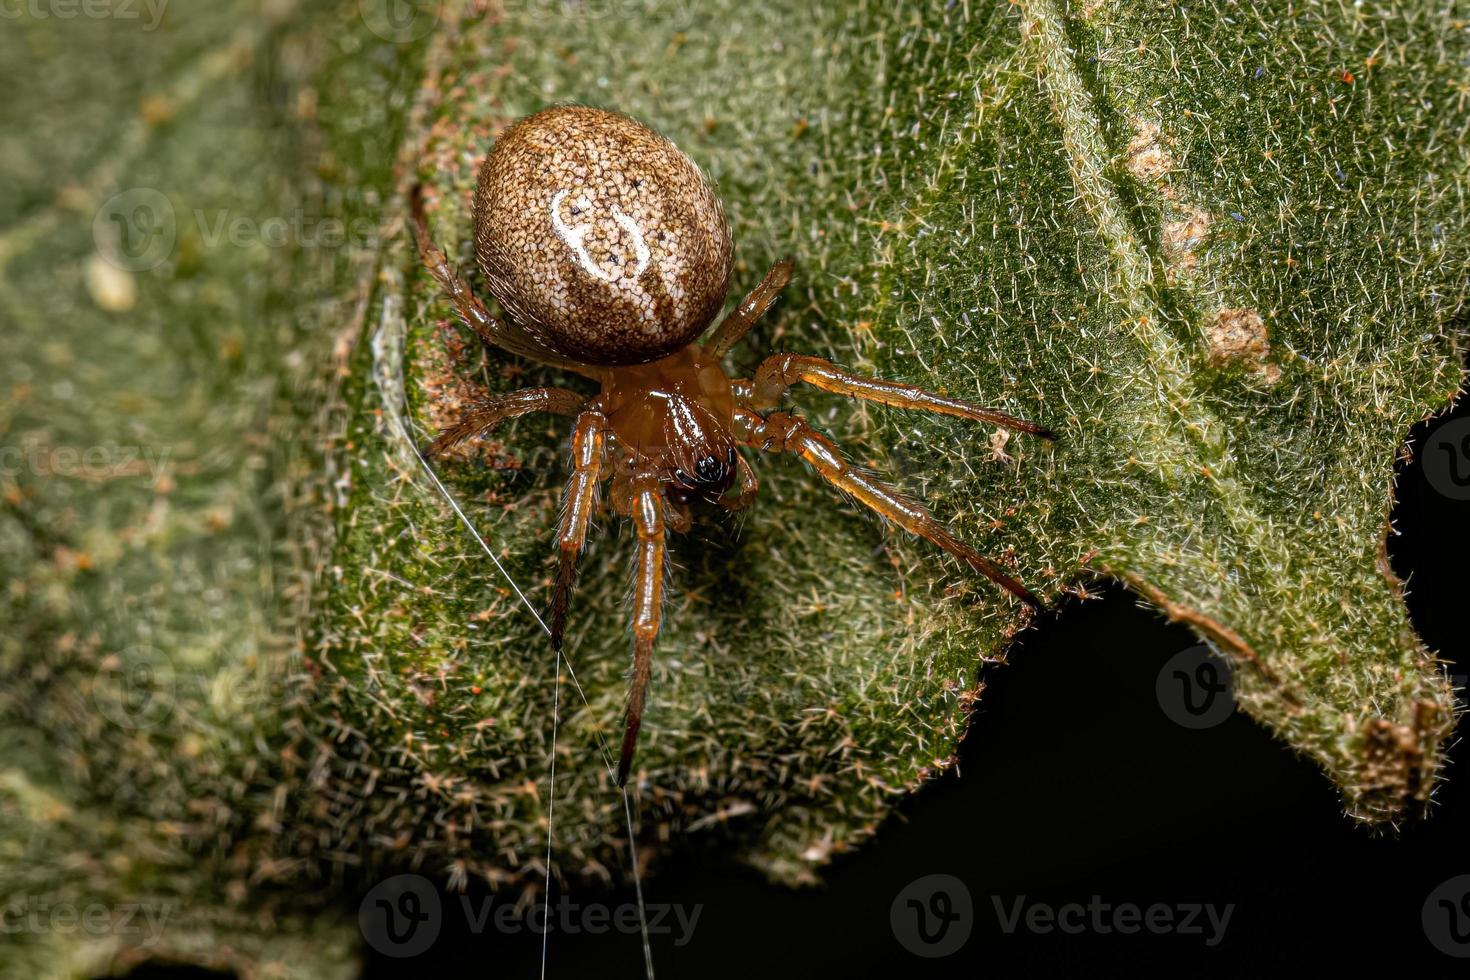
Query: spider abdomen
600	237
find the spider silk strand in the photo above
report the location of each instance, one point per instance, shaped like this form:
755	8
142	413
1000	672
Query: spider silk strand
556	701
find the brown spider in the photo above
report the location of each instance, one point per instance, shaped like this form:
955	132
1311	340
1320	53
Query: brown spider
610	252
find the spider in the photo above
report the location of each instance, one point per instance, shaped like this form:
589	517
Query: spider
610	253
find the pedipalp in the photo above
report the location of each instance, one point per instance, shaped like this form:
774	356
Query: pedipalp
648	590
579	501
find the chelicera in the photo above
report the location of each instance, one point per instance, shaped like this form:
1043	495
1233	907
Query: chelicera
611	255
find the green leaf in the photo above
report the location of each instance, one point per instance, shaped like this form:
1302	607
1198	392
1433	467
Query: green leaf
1216	248
146	408
1220	248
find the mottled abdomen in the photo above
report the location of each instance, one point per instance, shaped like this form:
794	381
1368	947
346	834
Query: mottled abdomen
600	237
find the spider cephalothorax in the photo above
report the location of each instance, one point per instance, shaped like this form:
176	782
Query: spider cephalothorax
610	252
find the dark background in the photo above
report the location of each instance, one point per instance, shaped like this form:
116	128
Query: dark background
1100	794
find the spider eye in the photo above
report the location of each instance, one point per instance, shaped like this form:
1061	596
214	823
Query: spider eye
682	477
709	469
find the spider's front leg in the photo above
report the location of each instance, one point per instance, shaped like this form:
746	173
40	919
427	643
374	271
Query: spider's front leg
782	432
776	374
647	511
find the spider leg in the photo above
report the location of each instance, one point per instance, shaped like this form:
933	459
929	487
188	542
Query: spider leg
782	432
776	375
648	595
492	331
578	503
751	308
749	487
500	408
